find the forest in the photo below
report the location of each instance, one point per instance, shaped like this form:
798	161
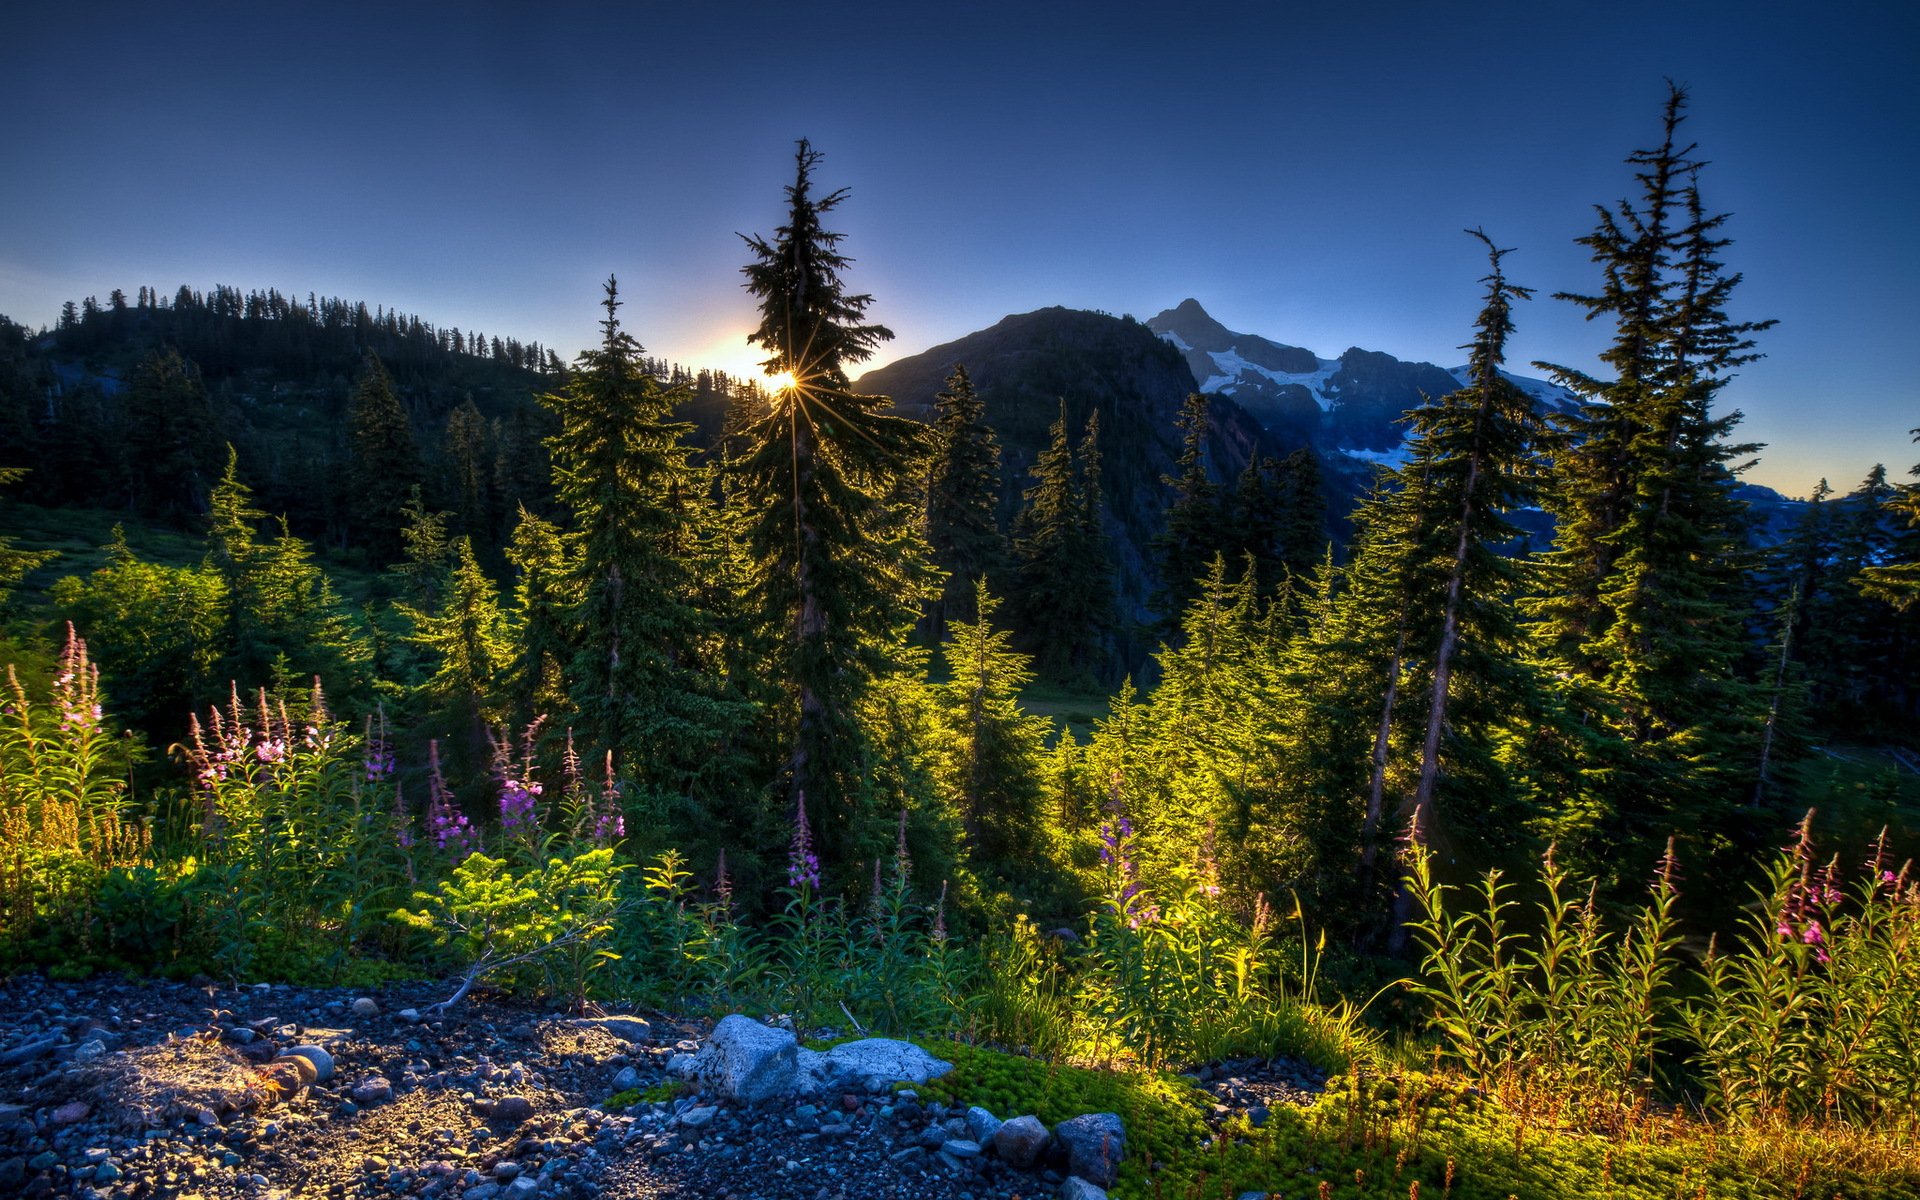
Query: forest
344	648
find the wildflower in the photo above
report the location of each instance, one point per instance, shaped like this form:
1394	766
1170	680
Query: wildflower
1811	934
517	804
402	821
803	866
449	827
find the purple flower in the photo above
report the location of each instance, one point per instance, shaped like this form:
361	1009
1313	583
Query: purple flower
1811	934
803	866
517	804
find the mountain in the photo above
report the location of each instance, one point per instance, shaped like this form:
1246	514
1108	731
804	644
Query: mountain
1351	404
1027	364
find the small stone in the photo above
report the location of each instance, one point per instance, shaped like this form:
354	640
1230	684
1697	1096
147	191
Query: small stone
1095	1144
410	1015
982	1124
366	1006
87	1051
1076	1188
961	1148
698	1118
522	1187
481	1191
626	1079
12	1171
206	1116
1021	1141
506	1172
106	1172
1257	1116
912	1154
512	1109
322	1061
375	1089
240	1035
72	1113
302	1064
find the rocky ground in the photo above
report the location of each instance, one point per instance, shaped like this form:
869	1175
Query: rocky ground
111	1088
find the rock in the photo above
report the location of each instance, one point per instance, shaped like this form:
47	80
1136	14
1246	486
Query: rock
522	1187
12	1171
683	1065
72	1113
106	1172
1257	1115
375	1089
506	1172
366	1006
912	1154
699	1117
240	1035
960	1148
286	1078
626	1079
481	1191
1076	1188
982	1125
302	1064
869	1065
321	1060
87	1051
514	1110
1095	1144
1021	1141
747	1061
626	1028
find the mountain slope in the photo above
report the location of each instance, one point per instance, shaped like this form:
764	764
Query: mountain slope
1027	364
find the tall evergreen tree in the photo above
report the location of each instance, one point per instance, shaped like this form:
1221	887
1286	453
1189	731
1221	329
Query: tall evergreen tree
1063	567
840	572
468	641
543	600
1194	531
385	464
1642	605
172	449
644	681
963	494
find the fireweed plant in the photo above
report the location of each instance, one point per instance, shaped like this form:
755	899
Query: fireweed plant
1812	1013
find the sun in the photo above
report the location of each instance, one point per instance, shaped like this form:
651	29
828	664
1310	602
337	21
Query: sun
780	381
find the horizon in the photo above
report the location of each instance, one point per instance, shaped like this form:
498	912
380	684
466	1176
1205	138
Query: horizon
491	173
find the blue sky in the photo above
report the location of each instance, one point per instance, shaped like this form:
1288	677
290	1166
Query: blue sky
1303	169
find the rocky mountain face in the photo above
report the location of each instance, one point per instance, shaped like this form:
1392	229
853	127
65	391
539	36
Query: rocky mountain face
1350	404
1025	366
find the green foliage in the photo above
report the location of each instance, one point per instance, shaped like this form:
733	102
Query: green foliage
384	465
548	922
963	494
1064	598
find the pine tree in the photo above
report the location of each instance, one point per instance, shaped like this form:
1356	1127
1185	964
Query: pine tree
1642	603
470	457
15	563
963	494
833	535
171	449
991	748
543	599
384	466
1063	567
468	641
1194	527
643	680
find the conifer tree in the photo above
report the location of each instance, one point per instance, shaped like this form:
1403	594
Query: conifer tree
15	563
1642	604
963	494
1064	569
1193	530
385	464
542	602
839	560
992	749
468	641
172	450
643	680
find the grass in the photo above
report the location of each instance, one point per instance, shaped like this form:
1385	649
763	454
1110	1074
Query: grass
1074	711
1411	1134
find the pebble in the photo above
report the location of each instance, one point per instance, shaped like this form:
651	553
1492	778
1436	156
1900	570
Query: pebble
366	1006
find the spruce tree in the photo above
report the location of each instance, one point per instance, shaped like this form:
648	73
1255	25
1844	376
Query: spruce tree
643	680
543	601
468	642
1063	568
963	496
1194	529
171	447
991	749
840	572
384	466
1642	604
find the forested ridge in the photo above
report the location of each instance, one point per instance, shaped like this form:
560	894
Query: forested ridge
747	683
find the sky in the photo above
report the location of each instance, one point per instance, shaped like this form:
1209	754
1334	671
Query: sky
1303	169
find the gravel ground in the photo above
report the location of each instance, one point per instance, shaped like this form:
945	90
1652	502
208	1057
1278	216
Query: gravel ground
112	1088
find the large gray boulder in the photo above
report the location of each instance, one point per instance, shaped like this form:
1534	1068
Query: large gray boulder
868	1065
1076	1188
1095	1144
747	1061
1021	1141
